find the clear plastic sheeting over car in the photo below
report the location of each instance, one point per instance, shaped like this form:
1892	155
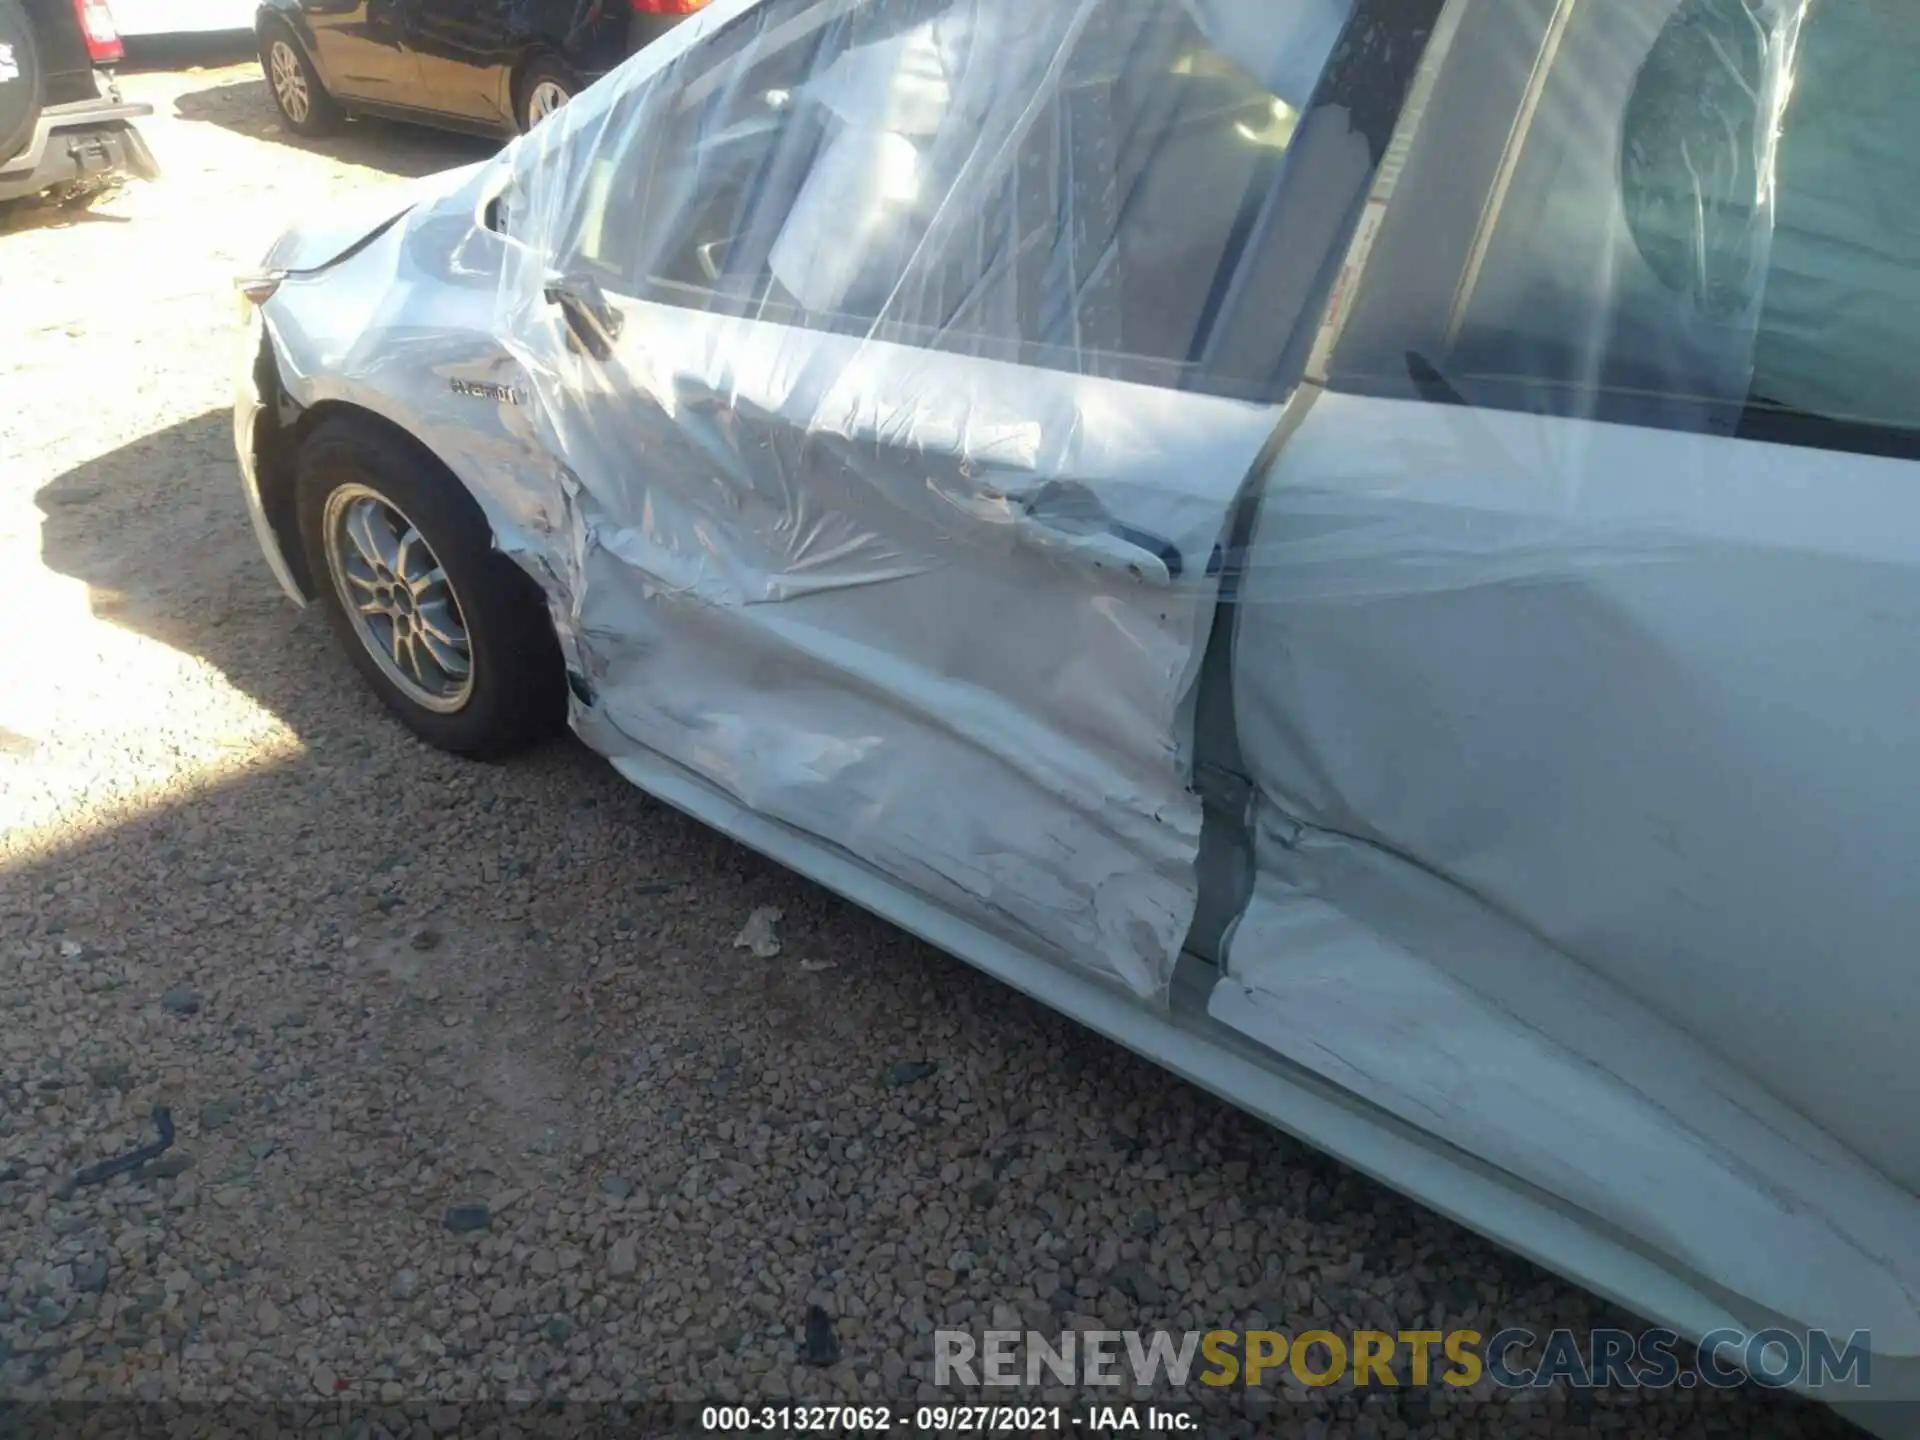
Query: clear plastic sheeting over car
862	314
1573	842
955	434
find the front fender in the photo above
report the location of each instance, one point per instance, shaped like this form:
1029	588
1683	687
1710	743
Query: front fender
397	331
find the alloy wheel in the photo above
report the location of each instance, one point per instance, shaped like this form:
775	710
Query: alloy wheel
543	99
289	82
398	599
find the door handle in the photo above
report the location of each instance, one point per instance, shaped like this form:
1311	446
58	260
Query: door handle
594	323
1147	558
1164	550
1076	522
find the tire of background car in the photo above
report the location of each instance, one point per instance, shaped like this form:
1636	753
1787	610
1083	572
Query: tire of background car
20	80
361	488
544	80
290	76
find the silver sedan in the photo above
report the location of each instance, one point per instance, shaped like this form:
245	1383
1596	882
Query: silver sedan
1367	549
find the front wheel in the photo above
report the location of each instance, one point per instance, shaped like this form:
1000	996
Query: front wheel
303	102
450	633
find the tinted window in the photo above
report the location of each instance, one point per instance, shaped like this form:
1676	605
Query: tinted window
1840	328
1710	219
1077	186
1769	173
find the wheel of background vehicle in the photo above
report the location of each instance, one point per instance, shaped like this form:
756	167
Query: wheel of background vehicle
450	633
545	86
20	93
303	102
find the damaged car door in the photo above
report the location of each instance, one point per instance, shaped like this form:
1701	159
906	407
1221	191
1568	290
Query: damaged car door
905	361
1575	658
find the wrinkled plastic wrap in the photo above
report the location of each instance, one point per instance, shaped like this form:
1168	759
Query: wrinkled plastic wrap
1583	785
956	435
875	434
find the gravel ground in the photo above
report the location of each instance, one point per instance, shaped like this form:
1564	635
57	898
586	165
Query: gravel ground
476	1095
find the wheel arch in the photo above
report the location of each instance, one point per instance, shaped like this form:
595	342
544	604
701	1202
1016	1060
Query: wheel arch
508	618
277	448
284	14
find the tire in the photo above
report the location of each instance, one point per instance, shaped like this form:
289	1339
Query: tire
21	92
353	472
543	77
290	76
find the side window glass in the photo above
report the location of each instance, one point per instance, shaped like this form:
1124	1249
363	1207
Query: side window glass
693	164
1108	235
1070	185
1696	153
1839	335
1710	219
1624	244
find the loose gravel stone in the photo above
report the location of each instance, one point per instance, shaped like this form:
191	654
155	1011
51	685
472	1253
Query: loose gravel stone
820	1347
91	1274
1131	1279
702	1175
760	934
623	1259
465	1218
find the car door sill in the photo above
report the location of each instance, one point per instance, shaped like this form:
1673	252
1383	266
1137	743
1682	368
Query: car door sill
432	119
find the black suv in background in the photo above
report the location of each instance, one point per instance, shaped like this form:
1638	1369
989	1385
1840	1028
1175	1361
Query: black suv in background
496	68
62	122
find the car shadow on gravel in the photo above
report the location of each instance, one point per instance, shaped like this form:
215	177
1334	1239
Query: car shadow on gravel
397	148
203	590
149	53
39	212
